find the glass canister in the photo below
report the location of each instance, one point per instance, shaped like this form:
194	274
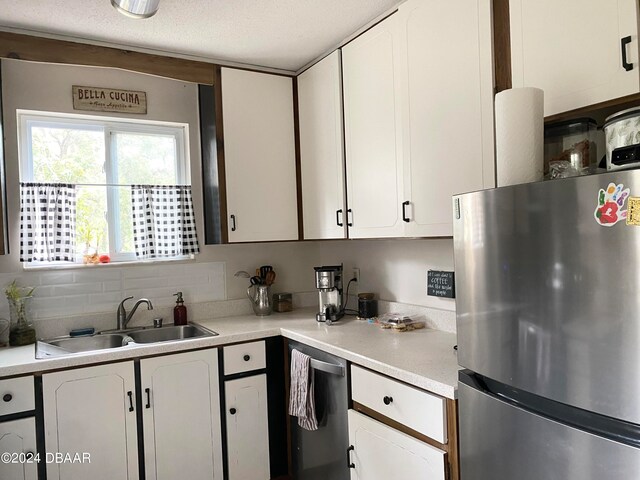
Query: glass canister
282	302
21	329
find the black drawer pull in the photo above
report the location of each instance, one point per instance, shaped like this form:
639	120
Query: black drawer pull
387	400
232	411
233	223
623	46
338	214
7	397
404	211
130	394
148	392
247	358
350	464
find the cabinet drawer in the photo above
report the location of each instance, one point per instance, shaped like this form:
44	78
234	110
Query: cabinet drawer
16	395
414	408
244	358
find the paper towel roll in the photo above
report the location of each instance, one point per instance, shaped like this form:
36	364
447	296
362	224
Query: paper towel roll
519	136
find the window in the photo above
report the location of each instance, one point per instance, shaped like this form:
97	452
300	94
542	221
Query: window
102	157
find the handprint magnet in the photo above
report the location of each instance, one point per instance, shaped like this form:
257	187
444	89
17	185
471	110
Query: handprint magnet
611	203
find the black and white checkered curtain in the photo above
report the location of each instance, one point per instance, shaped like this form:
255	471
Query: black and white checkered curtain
163	221
47	222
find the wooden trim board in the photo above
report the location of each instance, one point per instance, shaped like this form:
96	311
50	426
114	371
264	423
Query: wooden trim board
38	49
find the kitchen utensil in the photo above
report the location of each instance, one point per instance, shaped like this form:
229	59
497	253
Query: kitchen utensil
264	270
270	278
255	281
260	296
242	274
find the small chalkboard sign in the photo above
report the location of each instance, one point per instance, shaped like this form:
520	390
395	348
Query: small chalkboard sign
441	284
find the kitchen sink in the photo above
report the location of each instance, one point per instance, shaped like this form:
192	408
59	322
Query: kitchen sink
62	346
171	333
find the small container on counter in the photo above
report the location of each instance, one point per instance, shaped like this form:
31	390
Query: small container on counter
282	302
179	311
367	306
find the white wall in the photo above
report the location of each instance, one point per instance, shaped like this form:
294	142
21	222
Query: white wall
395	269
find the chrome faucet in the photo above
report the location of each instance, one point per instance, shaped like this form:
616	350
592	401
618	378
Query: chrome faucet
123	318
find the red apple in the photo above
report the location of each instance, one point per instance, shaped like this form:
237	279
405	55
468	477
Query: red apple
105	258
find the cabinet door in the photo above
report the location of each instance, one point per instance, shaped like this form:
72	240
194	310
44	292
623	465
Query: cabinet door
322	149
372	132
380	452
181	416
259	152
447	104
247	428
572	50
18	436
92	410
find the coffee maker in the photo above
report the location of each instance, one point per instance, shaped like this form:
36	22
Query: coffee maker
329	285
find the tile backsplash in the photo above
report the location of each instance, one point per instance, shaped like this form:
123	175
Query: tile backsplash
95	289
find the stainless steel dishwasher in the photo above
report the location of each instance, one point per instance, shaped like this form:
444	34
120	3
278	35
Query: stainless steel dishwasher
322	454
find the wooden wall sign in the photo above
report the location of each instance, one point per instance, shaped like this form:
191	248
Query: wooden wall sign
97	99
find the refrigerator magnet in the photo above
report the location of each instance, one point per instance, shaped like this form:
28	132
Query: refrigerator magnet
633	211
611	203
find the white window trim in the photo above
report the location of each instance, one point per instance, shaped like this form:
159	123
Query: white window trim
109	125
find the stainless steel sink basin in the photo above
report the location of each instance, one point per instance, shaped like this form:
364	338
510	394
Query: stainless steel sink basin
62	346
171	333
68	345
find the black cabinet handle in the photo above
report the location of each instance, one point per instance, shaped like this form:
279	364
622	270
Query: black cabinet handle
130	394
148	392
387	400
404	211
7	397
233	223
623	47
232	411
338	213
350	464
350	218
246	358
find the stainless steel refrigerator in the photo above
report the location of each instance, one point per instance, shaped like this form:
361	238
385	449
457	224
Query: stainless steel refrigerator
548	319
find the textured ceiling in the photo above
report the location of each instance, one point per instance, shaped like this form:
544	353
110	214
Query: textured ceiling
283	34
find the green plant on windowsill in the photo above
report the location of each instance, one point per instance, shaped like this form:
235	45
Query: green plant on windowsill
22	331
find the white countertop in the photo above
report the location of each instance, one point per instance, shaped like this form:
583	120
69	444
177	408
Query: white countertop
423	358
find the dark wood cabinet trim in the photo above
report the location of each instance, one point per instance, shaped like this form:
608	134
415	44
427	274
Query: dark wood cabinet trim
501	45
222	174
39	49
296	129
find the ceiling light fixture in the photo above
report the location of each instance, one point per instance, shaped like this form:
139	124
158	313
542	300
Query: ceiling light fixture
136	8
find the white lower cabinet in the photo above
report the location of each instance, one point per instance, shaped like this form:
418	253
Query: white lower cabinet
92	410
18	437
378	452
181	416
247	428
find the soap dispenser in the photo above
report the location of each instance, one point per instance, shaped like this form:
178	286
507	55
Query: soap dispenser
179	311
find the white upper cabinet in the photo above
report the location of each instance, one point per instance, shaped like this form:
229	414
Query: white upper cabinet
373	132
447	106
259	148
322	149
573	50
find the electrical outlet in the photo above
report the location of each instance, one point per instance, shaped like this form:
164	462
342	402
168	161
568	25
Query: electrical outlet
356	274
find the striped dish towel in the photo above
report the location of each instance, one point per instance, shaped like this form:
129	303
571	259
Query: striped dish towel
301	401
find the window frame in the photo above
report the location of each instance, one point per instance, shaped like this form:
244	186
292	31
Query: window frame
110	126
